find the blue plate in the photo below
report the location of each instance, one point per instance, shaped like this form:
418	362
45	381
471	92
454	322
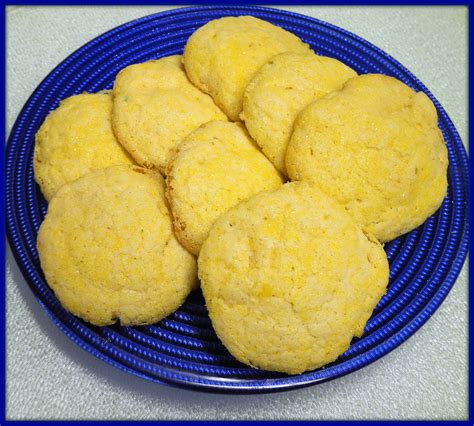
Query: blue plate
183	349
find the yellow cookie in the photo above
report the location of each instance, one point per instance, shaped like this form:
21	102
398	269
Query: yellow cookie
222	56
74	139
215	167
289	279
155	106
108	250
376	148
280	90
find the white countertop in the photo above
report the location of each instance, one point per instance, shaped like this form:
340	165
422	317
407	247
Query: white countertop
49	377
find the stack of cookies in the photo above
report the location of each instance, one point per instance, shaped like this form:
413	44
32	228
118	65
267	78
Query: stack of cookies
271	173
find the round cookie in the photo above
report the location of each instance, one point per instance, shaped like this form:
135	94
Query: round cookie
215	167
222	56
280	90
289	279
376	148
108	250
155	106
74	139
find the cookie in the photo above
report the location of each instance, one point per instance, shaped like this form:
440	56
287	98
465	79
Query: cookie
280	90
375	147
155	106
75	139
108	251
222	56
214	168
289	279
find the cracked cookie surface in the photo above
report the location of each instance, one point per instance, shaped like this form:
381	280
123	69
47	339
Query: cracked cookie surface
155	106
374	146
222	56
289	279
215	167
280	90
108	250
75	139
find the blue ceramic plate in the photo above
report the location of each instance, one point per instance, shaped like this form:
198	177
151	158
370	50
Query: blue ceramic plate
183	349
